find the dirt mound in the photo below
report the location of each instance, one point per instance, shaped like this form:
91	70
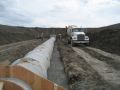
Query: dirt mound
10	34
114	26
107	39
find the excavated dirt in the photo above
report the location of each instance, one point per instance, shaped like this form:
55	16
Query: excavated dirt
108	73
11	52
106	39
108	60
80	74
12	34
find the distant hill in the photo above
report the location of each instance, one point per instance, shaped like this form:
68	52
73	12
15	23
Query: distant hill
106	38
10	34
114	26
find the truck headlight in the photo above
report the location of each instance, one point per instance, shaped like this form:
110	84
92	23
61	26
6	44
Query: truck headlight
86	38
74	37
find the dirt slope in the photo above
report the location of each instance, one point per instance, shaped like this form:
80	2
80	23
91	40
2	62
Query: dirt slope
11	34
14	51
108	38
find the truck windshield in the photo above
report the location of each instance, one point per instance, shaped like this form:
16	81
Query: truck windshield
77	30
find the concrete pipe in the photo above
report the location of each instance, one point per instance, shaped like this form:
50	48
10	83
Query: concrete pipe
38	60
32	71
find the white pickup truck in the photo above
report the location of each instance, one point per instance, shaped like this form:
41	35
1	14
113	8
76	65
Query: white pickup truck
77	35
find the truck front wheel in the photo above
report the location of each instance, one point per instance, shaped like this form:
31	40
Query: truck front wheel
72	44
87	44
69	42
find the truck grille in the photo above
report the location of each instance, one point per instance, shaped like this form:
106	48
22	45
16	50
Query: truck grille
81	37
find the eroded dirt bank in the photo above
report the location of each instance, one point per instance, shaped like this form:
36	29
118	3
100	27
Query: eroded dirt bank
106	39
80	74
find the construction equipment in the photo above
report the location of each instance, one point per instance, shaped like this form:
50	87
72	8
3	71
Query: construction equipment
77	35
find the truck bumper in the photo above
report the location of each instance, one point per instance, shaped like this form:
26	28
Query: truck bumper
75	41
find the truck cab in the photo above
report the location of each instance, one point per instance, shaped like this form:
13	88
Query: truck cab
77	36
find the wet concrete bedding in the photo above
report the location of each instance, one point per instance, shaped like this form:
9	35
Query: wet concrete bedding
56	71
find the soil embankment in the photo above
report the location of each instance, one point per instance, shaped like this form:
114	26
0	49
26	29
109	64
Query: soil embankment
106	38
80	74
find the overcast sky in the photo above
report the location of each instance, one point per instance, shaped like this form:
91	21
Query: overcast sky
58	13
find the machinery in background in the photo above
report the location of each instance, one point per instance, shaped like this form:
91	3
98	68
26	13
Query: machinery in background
77	35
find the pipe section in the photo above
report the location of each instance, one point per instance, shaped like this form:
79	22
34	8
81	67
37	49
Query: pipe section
18	82
38	60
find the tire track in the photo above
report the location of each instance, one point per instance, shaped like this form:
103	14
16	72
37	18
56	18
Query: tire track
108	73
112	62
81	76
113	56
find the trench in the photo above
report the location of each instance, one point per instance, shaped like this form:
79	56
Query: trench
111	62
56	71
